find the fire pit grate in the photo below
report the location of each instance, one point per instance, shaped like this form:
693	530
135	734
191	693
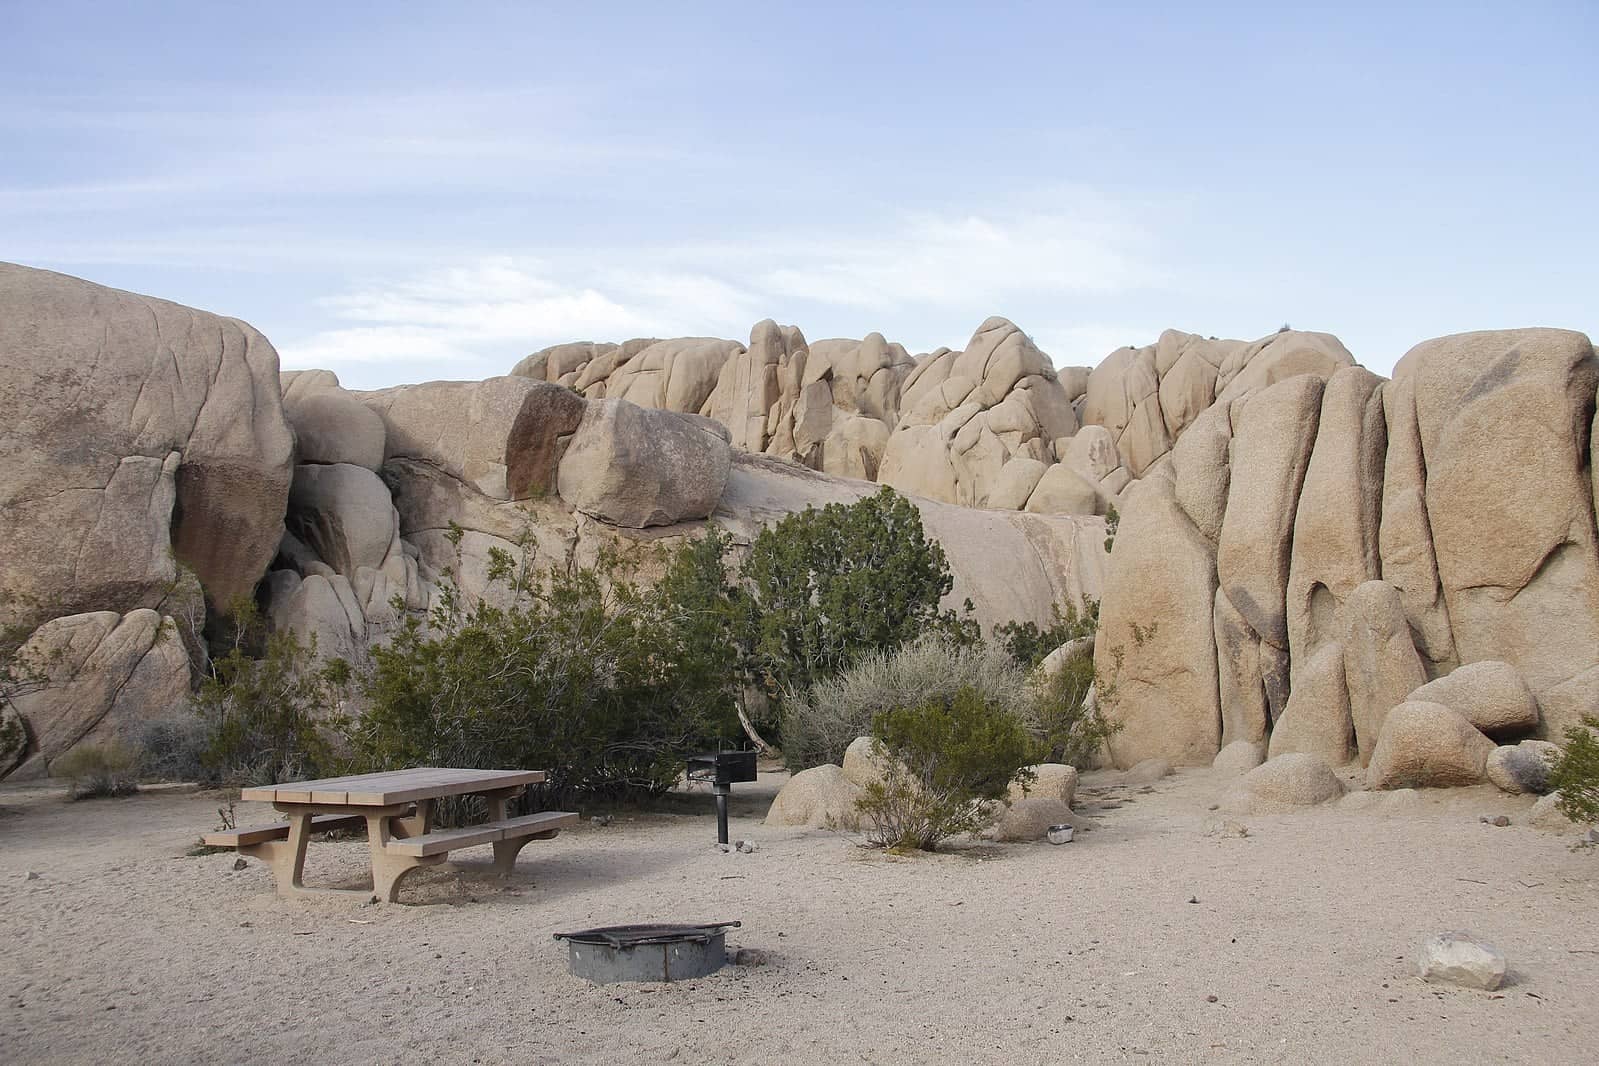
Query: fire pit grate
650	952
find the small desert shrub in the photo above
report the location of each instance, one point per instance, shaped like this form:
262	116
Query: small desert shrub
1029	644
96	770
1070	728
262	713
948	761
174	748
823	588
818	725
1576	775
582	671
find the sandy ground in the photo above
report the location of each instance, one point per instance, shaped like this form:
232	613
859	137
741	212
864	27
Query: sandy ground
120	947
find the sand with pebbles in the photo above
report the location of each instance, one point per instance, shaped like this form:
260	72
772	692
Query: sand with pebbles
1151	938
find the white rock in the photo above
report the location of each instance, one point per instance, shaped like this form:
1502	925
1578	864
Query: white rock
1457	959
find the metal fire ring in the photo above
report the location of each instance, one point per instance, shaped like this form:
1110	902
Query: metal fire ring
651	952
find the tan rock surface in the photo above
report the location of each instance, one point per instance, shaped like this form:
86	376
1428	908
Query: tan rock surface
1284	782
1161	573
818	798
636	467
1317	719
138	430
1503	418
1062	490
345	514
106	673
1490	695
1381	665
333	426
1052	781
1427	745
1029	819
501	436
1340	506
1270	449
1522	768
1239	757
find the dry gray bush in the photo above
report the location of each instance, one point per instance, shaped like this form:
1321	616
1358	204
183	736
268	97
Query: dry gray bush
819	725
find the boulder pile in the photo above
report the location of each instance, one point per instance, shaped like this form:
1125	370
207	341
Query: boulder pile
161	468
1311	560
1401	572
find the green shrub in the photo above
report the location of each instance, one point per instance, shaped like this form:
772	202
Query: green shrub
824	588
1113	521
1069	726
947	761
1576	774
98	770
263	713
1029	644
579	671
819	724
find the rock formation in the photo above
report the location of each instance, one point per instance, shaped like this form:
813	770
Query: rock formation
141	436
1441	522
1303	546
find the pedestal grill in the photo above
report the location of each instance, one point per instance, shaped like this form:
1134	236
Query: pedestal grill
722	769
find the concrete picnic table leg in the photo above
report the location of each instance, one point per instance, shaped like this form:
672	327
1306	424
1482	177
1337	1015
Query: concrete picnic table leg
388	868
506	851
286	857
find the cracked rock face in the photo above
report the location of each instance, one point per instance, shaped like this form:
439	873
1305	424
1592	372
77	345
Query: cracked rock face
108	673
141	434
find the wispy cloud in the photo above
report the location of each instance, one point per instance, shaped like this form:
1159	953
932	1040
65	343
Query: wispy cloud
924	272
161	150
933	260
488	313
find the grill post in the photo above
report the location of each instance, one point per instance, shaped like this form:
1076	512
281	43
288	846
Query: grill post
722	790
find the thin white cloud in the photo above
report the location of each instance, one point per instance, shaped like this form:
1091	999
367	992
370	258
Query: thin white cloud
366	345
490	312
496	308
935	260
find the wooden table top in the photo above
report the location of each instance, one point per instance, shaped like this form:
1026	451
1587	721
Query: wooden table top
392	787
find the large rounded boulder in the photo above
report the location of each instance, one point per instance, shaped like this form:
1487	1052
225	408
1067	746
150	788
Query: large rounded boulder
818	798
140	434
1490	695
636	467
1287	782
1427	745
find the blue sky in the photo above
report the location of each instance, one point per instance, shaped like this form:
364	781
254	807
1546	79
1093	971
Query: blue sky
412	191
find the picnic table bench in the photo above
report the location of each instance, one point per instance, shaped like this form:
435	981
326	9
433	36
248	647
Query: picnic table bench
396	807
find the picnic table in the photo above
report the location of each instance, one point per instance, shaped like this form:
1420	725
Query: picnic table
396	807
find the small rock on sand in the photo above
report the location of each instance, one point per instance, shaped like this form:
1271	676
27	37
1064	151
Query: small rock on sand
1546	813
1457	959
